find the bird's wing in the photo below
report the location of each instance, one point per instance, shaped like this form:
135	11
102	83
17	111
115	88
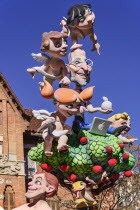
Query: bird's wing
42	114
40	57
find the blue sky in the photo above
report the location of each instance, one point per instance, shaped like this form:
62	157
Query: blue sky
116	72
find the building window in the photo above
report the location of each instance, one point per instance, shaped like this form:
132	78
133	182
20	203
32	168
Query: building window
30	165
9	198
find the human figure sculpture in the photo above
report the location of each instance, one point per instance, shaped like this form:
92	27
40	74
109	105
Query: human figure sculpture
68	102
80	68
119	120
120	126
42	186
79	24
55	44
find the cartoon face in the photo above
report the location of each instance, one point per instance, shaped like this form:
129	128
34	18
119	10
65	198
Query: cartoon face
86	21
122	122
77	186
68	109
58	47
37	187
79	67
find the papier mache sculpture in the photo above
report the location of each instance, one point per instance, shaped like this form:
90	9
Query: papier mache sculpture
84	197
83	156
55	44
42	186
120	120
79	24
68	102
80	68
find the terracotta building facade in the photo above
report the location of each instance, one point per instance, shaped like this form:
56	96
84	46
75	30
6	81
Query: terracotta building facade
13	122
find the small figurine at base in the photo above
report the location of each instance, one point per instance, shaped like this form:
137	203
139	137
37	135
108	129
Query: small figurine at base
43	185
84	197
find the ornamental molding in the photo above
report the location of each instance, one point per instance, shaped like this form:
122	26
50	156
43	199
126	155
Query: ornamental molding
1	197
7	167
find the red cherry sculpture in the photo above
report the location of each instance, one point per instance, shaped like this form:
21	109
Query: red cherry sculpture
64	167
97	169
121	145
128	173
109	150
72	177
83	140
115	176
46	167
112	162
125	156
